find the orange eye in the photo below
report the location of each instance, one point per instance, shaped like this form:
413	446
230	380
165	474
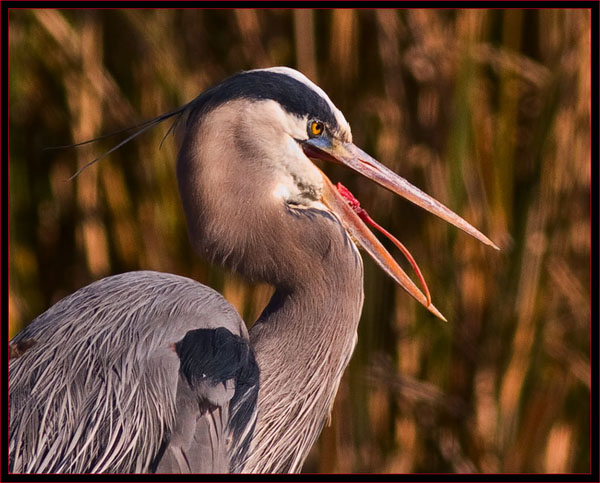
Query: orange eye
316	128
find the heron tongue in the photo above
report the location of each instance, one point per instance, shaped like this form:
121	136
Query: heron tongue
364	216
346	207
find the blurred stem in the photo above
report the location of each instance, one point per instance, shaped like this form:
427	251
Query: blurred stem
305	43
506	126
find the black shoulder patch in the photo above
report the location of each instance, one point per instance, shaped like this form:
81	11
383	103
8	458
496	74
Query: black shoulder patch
215	355
293	95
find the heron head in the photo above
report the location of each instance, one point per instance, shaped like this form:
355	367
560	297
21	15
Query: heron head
283	122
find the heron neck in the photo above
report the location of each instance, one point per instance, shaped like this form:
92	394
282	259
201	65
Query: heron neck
303	341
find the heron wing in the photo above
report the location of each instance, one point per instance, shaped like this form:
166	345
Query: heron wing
105	387
216	403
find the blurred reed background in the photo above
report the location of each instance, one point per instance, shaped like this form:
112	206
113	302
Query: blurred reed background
487	110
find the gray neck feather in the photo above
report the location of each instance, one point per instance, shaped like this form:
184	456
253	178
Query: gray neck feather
303	341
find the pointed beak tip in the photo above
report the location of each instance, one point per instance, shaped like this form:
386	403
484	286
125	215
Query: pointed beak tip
436	312
484	239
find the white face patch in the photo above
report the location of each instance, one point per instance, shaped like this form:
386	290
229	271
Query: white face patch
270	134
282	192
267	137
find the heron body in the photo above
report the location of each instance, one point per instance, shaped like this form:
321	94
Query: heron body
152	372
77	407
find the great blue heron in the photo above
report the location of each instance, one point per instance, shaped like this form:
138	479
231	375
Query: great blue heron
148	371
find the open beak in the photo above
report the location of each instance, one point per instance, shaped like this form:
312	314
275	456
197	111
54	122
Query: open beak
355	158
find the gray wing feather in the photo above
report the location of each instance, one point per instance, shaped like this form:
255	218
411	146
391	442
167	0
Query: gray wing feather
101	389
198	440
